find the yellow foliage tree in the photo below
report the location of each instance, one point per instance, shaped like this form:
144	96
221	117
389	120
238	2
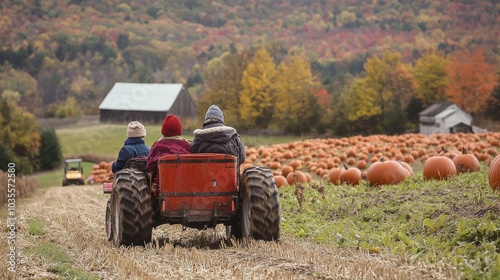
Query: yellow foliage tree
257	92
20	135
69	109
431	78
380	98
223	85
359	101
296	103
378	77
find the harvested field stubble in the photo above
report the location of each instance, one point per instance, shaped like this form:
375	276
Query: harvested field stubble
74	223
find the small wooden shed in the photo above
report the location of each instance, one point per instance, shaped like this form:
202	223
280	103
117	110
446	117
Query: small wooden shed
444	117
147	103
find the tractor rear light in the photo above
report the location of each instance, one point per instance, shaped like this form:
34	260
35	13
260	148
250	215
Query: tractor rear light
163	206
232	205
107	187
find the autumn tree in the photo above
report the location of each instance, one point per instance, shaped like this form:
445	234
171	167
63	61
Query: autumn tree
296	106
379	100
257	92
359	102
223	85
402	85
494	106
471	80
431	75
69	109
20	135
378	77
384	77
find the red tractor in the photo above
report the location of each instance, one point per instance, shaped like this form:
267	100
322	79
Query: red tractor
194	190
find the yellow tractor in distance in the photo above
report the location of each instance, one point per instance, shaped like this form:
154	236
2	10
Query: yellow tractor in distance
73	172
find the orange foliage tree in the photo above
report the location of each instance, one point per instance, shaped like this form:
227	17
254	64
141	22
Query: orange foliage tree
471	80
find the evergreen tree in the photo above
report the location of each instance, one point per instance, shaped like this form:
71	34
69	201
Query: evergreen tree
50	154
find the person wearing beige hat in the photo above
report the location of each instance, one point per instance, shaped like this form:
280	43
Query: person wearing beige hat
133	147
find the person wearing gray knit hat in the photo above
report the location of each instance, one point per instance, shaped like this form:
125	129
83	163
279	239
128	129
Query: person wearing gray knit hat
216	137
214	112
133	147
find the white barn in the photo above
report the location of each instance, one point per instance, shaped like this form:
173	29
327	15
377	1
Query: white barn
444	117
147	103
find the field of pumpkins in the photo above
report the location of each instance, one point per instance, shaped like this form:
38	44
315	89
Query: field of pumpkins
379	159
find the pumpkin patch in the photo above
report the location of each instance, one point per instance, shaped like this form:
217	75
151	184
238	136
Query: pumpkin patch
324	158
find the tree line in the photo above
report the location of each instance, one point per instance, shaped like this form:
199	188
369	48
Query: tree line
260	91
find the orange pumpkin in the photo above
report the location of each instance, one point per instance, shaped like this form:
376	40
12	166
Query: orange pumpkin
385	172
407	167
280	180
439	167
361	164
296	176
350	176
466	162
494	174
334	176
286	169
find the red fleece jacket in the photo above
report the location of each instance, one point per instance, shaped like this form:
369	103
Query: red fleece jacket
166	147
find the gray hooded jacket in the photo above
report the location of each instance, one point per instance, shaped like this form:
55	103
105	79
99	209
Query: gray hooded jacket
218	138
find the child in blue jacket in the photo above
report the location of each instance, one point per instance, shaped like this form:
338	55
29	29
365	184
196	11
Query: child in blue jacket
134	146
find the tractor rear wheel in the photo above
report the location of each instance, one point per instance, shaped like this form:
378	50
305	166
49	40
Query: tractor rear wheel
131	209
260	210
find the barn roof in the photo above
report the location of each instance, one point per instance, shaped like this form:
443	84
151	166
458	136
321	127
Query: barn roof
141	97
435	108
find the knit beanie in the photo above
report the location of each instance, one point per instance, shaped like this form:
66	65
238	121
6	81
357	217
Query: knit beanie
171	126
136	129
214	112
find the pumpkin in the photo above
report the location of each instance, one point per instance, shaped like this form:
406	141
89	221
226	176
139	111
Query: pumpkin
351	176
334	176
280	180
274	165
286	169
439	167
296	164
296	176
494	174
308	177
466	162
386	172
407	167
361	164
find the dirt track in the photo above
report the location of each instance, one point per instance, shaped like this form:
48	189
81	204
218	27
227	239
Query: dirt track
74	222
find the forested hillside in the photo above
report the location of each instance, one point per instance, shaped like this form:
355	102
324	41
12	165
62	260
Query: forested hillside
60	58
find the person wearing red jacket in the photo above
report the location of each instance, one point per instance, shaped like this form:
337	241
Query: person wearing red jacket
171	142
